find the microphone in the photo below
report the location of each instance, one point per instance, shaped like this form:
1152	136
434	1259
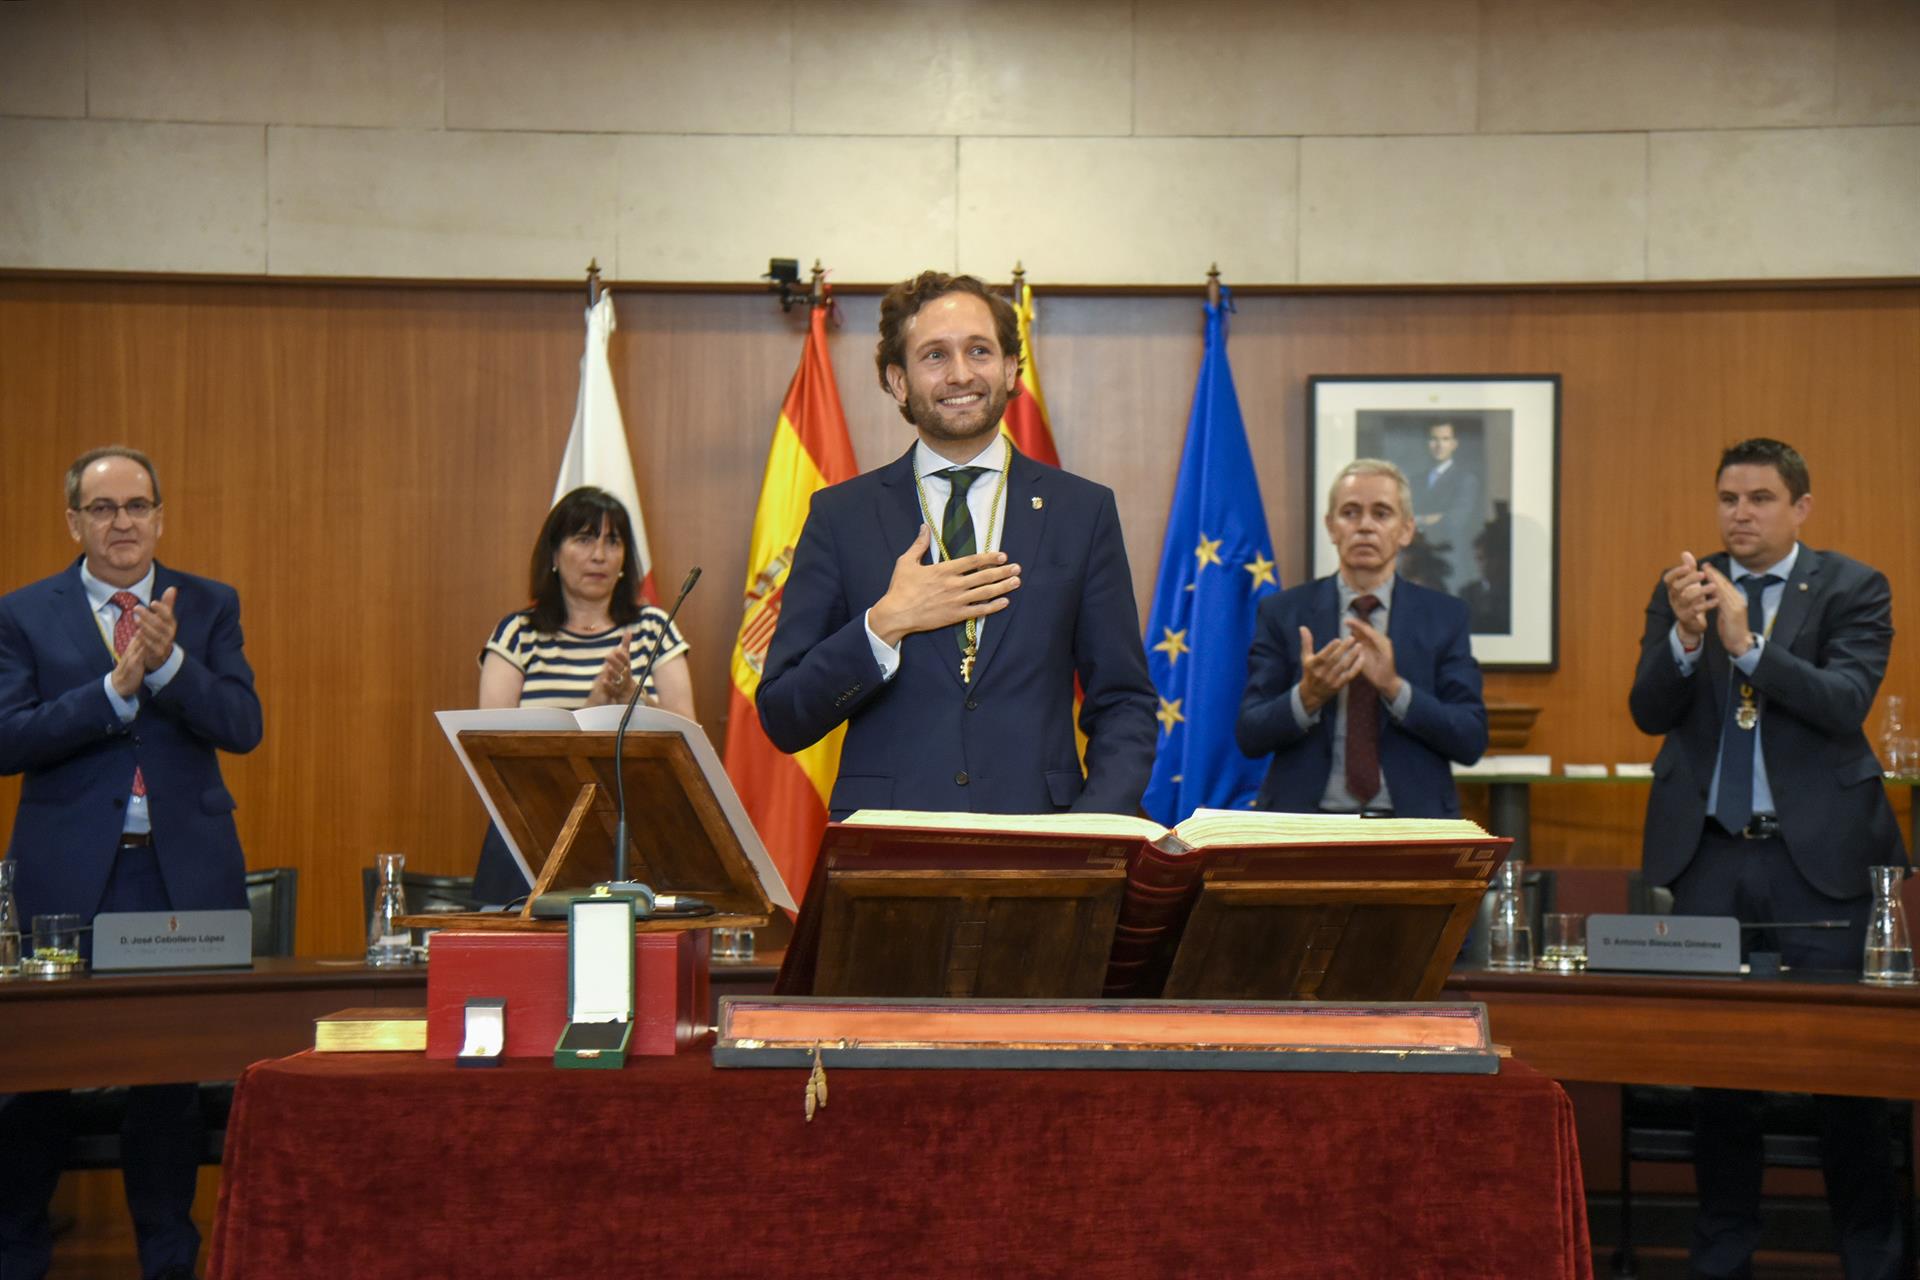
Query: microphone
555	905
620	884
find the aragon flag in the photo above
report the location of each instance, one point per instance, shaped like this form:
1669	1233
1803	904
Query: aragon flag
1026	422
1028	425
786	796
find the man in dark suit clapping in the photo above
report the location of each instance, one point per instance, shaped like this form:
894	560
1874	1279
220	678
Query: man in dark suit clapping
120	680
1759	666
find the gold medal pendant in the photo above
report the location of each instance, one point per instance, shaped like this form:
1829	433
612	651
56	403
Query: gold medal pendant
1746	715
966	666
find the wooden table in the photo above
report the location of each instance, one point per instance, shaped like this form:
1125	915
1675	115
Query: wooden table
158	1027
1811	1033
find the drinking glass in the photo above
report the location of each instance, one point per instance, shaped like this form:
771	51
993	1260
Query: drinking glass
9	922
389	943
1564	947
1510	936
56	943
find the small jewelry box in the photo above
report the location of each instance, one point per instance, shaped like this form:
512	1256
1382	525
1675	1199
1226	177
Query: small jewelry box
600	946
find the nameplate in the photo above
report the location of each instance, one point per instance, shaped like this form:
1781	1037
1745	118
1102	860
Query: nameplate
124	940
1664	944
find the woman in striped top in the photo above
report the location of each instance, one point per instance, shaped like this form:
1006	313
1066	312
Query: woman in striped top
579	643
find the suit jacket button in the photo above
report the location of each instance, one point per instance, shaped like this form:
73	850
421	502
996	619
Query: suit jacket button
972	705
960	778
119	804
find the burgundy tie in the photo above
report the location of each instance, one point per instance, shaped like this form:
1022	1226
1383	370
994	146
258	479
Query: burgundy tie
1363	724
124	631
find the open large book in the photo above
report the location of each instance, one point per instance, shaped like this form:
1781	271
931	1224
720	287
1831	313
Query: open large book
531	767
1228	904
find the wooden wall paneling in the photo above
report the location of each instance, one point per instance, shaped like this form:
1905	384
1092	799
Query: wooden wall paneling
369	465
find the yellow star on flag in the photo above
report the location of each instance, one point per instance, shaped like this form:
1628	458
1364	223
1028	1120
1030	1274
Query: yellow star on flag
1173	646
1208	552
1169	714
1262	570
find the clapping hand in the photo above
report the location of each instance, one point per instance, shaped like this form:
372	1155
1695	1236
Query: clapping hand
1736	628
1690	597
614	681
1376	657
157	627
1325	672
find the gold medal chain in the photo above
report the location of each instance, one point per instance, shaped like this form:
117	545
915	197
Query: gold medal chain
940	545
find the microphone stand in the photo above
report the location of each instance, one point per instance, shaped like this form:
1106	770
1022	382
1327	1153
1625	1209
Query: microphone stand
620	885
554	905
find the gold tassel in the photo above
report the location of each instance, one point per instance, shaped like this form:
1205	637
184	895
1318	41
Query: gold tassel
816	1086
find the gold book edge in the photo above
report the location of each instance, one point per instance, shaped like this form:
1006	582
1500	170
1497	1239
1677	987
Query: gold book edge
370	1031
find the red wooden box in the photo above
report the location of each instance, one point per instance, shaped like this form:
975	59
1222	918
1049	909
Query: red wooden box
529	971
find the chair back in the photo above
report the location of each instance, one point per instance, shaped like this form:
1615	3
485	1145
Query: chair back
272	897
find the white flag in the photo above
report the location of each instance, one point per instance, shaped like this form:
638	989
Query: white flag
597	447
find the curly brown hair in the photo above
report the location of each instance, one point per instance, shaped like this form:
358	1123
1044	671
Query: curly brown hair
903	303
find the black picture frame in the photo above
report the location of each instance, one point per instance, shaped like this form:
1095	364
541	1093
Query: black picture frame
1487	512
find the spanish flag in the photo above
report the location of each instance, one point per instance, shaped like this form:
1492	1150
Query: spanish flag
1026	422
786	796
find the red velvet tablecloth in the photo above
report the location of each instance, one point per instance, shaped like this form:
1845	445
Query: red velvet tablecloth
378	1166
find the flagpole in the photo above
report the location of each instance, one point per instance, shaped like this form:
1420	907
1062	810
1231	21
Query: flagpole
1019	279
593	282
1213	286
817	291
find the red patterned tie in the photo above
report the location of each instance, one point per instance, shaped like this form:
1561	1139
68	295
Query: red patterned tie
1363	724
123	632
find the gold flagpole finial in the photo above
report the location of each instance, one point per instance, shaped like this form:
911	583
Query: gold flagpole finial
593	281
1213	285
817	292
1019	279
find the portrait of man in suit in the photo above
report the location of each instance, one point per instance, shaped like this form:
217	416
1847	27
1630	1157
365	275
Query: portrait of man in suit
1362	685
1448	506
1758	666
120	681
942	607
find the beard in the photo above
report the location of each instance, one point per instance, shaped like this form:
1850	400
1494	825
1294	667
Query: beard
925	413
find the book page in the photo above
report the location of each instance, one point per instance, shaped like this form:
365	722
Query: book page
1209	828
1059	824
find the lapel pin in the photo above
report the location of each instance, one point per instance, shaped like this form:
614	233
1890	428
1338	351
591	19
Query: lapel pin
1041	502
1803	586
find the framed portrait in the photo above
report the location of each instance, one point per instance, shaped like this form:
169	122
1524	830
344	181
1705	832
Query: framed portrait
1481	453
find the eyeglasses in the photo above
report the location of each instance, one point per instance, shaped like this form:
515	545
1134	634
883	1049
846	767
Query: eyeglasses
139	510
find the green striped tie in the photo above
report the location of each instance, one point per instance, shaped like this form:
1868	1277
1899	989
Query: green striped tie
956	526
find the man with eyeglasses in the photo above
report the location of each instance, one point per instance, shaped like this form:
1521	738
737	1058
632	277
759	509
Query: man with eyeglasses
120	681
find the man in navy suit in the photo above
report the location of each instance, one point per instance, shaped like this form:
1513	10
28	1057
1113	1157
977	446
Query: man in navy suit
1759	666
942	606
1362	685
119	680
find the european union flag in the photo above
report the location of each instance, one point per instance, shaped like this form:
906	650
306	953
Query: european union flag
1216	566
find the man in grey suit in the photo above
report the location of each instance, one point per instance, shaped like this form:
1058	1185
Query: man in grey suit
1759	666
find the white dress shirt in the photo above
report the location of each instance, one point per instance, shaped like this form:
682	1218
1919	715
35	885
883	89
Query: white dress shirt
987	515
106	615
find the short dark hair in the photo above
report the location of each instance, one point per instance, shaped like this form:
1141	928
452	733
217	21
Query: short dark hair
584	510
1763	452
903	303
91	456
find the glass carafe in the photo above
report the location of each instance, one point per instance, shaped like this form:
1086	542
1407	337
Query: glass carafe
388	941
9	922
1510	933
1888	959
